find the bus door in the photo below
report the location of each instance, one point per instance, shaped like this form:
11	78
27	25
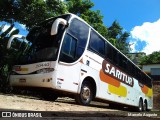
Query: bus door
68	77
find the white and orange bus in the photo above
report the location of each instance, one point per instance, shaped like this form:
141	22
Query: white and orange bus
68	55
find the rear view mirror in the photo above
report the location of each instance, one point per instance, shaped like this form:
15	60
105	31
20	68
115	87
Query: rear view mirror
55	25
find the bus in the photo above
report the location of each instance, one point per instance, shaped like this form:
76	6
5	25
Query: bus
67	55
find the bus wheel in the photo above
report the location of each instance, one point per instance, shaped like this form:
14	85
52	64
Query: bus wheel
86	94
140	106
145	106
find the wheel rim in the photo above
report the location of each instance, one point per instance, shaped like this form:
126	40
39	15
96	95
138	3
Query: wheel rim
86	93
144	107
140	106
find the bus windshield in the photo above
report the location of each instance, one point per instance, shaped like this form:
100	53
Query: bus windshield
44	46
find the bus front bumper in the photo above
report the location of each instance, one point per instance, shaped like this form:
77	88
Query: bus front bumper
47	80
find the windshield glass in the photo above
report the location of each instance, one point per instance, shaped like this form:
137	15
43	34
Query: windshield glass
44	47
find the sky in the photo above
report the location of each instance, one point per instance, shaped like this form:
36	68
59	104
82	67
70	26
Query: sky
141	18
21	27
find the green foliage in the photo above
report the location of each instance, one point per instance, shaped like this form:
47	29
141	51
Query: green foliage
153	58
95	20
118	38
30	12
56	7
79	7
8	57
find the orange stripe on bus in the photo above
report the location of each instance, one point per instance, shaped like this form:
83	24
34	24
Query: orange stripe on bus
81	61
107	79
144	89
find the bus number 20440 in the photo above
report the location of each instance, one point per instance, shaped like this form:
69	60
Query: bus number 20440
43	65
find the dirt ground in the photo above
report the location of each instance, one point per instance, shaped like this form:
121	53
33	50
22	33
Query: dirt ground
19	102
12	102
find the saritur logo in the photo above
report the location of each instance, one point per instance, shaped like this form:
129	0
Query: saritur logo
116	73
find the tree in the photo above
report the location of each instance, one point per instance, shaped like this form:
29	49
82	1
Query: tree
153	58
95	20
8	57
118	38
79	7
30	12
56	7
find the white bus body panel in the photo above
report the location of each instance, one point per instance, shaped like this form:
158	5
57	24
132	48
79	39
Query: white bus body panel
27	75
64	77
68	77
133	94
47	80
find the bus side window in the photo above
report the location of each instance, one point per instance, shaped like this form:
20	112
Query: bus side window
68	48
80	31
123	62
139	77
130	68
97	44
115	56
74	42
108	51
135	72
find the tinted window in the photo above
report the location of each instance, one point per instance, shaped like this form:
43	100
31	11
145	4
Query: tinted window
109	51
123	62
97	43
69	46
79	30
115	56
74	42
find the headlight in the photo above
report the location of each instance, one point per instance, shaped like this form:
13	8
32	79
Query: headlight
45	70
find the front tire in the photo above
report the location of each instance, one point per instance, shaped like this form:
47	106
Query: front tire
86	94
